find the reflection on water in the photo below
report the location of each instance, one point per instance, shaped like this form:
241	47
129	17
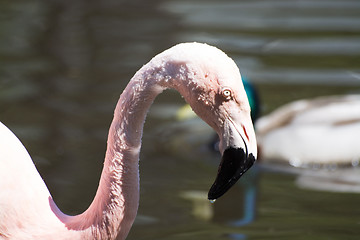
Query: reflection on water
289	41
64	64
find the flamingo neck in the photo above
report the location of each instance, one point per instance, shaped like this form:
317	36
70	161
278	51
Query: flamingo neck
114	208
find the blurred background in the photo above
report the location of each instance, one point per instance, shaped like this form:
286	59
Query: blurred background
63	65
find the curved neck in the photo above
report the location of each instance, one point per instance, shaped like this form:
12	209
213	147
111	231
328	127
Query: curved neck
115	205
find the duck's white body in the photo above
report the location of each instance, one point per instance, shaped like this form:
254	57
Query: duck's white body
324	130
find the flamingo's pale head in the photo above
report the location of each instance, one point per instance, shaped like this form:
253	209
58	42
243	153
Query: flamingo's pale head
216	93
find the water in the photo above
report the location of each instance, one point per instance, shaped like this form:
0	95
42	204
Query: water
64	64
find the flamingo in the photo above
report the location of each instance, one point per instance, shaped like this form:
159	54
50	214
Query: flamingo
209	81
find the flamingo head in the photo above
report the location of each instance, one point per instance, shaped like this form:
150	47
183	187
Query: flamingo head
217	95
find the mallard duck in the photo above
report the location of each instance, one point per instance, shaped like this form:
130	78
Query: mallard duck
324	130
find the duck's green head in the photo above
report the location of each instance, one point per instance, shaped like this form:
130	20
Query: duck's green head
253	99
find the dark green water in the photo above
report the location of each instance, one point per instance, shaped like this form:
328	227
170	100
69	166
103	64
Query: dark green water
63	64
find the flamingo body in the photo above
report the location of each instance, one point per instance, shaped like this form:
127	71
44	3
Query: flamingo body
24	198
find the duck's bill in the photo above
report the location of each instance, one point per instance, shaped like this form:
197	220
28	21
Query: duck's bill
238	156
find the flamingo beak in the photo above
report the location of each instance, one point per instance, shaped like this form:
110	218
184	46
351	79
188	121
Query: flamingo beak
238	147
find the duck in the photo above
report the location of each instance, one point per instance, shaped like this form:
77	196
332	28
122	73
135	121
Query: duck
322	131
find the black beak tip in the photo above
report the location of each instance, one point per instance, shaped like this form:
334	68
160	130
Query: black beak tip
234	163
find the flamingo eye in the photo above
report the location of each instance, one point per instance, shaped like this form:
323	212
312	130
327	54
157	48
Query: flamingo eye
226	93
